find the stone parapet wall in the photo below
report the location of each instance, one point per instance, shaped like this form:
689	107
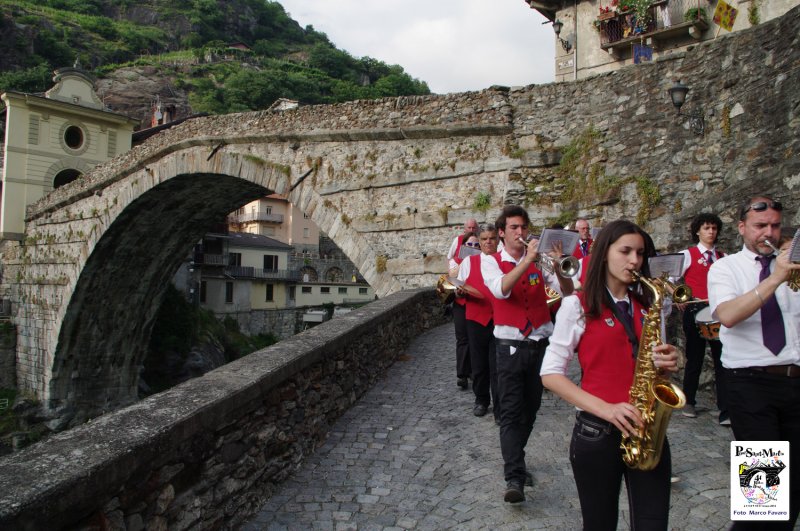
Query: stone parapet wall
209	452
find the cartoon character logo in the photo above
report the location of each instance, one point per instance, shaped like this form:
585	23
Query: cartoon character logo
533	279
759	480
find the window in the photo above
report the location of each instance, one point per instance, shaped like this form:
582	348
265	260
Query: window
235	259
267	210
342	291
203	289
270	262
73	137
306	232
306	216
324	289
362	291
306	289
292	293
269	231
270	292
229	292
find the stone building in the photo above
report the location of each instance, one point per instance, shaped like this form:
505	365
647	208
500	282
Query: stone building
594	36
52	139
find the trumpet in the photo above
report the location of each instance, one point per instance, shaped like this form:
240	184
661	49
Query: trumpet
794	277
567	265
680	293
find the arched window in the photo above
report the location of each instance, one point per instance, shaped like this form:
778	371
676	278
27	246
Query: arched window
334	274
311	273
65	177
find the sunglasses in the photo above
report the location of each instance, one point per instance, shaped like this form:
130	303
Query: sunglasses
472	244
761	206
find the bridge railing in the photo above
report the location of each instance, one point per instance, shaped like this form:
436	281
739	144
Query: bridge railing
209	452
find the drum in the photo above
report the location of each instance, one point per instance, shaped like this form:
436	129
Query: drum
707	327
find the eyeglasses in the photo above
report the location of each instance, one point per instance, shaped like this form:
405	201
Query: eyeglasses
472	244
761	206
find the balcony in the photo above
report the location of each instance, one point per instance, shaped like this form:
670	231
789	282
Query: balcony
210	259
263	274
255	216
668	19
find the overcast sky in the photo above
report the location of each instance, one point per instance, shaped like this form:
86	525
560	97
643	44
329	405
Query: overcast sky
453	45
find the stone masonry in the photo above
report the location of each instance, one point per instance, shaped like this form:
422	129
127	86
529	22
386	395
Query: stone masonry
390	181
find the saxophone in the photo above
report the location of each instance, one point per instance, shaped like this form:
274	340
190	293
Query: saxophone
653	395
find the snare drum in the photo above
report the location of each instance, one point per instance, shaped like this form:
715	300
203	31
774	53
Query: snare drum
708	328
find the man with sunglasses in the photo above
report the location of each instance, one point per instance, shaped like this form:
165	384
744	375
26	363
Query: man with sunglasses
760	334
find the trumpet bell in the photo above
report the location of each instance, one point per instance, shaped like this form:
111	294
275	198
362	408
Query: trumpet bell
682	293
445	290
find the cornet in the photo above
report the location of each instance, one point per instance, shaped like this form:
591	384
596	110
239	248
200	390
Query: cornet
794	277
567	265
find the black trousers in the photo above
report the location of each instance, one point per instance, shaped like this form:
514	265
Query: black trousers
519	391
598	469
463	368
483	360
766	407
695	352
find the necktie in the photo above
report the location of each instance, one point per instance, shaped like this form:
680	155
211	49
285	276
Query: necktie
625	312
771	317
583	248
709	257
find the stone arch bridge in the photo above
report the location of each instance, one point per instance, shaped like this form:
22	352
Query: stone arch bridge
390	181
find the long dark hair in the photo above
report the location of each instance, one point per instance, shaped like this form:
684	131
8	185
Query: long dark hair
595	292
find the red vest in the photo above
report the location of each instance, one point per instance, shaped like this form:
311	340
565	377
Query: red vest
478	310
526	306
459	243
578	252
696	275
605	355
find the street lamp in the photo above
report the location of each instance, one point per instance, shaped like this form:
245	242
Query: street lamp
677	93
557	25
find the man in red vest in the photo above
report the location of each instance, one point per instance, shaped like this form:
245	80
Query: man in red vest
522	327
480	326
584	245
697	261
463	368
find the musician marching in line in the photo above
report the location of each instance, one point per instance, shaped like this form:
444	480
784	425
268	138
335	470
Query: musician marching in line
760	334
602	325
697	260
522	327
463	368
480	326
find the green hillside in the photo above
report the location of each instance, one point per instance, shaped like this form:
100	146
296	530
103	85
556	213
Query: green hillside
188	41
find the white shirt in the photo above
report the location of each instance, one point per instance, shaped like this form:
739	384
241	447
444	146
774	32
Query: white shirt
493	278
569	329
742	345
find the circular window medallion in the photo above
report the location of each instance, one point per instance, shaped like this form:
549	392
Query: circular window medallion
74	139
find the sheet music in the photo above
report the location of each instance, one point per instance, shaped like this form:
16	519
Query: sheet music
794	249
567	238
465	251
671	264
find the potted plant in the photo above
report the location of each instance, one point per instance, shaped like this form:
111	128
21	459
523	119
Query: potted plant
641	10
695	13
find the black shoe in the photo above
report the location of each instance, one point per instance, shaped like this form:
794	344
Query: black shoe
463	383
528	479
514	493
479	410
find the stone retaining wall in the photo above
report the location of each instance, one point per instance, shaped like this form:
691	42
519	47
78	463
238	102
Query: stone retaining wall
209	452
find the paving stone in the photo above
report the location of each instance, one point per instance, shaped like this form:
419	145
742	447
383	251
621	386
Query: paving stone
410	455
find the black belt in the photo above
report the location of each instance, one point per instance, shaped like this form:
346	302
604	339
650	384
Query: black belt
790	371
519	343
596	421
